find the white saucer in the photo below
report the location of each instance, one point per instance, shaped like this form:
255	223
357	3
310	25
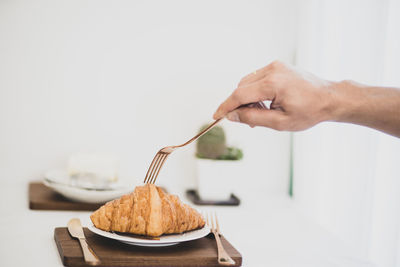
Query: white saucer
59	181
164	240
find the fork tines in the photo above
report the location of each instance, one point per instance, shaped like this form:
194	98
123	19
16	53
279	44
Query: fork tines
155	167
212	221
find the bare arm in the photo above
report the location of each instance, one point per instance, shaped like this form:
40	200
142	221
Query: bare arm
301	100
375	107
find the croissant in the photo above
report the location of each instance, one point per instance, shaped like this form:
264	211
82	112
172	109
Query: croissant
148	211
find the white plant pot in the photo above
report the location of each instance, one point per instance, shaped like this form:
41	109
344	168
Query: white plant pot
215	178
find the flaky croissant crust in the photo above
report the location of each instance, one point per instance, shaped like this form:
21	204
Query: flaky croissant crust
149	211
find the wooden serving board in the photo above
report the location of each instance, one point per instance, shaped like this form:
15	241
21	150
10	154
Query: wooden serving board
200	252
43	198
193	195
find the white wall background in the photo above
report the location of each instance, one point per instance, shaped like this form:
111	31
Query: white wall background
346	177
129	77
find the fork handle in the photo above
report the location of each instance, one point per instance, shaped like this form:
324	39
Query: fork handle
200	134
260	105
223	256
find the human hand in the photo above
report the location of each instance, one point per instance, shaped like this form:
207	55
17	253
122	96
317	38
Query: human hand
299	100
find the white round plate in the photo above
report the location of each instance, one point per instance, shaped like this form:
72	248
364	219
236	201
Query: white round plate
164	240
59	181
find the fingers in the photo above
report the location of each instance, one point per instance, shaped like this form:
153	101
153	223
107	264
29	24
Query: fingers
260	73
253	77
254	92
274	119
256	86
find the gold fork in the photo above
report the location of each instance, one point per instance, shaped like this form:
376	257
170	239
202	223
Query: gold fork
163	153
223	256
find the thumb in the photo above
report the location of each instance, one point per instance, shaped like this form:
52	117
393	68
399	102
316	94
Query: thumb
270	118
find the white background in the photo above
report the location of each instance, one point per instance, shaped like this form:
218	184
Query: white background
129	77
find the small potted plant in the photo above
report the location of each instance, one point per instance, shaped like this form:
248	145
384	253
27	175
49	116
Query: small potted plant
216	165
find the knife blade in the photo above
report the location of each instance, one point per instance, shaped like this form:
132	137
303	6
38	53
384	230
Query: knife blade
76	230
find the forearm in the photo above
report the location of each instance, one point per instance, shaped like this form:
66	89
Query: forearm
300	100
375	107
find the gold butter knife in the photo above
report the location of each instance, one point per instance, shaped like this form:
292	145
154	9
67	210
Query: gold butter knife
75	229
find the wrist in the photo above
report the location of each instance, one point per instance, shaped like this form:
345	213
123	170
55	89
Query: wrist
347	100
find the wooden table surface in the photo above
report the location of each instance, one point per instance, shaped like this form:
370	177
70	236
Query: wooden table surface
266	229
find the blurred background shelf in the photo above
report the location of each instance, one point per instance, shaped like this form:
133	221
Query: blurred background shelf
43	198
